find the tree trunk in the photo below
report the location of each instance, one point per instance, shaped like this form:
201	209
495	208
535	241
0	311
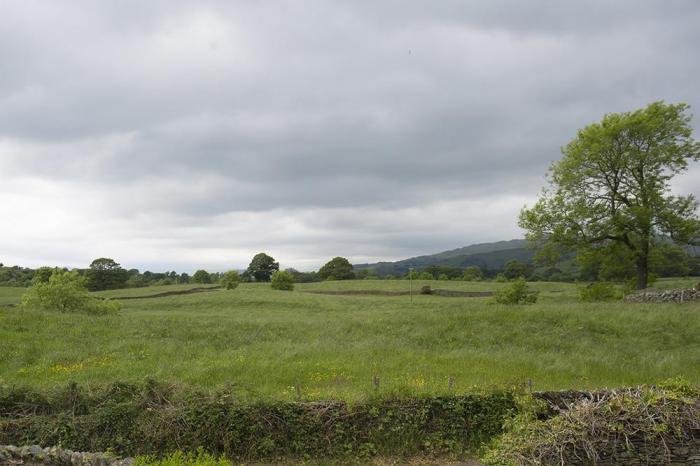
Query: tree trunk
642	270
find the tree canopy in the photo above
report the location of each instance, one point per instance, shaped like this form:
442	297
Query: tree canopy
611	189
202	277
106	274
515	269
262	267
338	268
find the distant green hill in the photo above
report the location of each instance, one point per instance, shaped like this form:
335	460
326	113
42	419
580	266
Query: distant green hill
488	256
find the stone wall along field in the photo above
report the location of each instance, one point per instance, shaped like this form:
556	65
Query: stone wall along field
35	455
664	296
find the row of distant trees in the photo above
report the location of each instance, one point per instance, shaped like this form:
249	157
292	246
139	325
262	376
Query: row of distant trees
106	274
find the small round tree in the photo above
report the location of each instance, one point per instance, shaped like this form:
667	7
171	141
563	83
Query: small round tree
338	268
262	267
201	277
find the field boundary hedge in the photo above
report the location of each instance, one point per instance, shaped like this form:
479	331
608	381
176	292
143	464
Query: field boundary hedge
642	425
153	418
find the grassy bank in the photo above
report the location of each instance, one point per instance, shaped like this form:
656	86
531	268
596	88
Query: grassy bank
282	345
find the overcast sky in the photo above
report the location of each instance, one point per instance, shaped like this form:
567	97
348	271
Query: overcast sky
179	135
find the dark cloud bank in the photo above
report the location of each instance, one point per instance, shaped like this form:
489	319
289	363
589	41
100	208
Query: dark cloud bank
187	134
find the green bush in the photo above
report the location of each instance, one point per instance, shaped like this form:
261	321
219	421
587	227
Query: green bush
425	276
426	289
230	280
42	275
282	280
516	293
500	278
65	292
599	291
178	458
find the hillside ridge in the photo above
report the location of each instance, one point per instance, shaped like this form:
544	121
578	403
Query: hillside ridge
485	255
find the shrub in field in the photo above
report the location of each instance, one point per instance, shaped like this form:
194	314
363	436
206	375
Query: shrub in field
66	292
500	278
599	291
230	279
443	276
516	293
426	290
425	276
282	280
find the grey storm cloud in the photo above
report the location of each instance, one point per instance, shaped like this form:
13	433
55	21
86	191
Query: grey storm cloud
197	133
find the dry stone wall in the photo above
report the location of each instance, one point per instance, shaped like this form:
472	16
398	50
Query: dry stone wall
35	455
664	296
638	452
682	449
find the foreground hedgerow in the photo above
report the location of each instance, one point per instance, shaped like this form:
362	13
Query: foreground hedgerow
655	425
151	418
178	458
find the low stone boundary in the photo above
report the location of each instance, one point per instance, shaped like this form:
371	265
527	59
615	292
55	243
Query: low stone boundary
664	296
424	291
35	456
200	289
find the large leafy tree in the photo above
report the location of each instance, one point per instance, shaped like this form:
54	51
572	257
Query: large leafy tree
262	267
611	189
106	274
338	268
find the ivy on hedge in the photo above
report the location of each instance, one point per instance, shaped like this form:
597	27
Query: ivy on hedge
154	418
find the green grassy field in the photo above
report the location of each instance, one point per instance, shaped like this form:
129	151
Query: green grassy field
264	343
10	295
